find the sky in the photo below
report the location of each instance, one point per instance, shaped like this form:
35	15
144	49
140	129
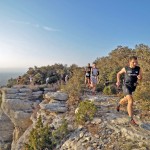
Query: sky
45	32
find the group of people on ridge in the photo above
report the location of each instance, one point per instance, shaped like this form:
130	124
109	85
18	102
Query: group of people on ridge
132	73
91	77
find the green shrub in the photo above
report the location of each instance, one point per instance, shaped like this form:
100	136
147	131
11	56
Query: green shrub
40	137
11	82
113	89
74	87
86	111
61	131
109	90
53	79
99	87
44	138
142	94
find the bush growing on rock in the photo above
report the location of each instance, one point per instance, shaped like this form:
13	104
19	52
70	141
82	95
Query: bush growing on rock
59	134
11	82
43	137
142	94
74	87
99	87
85	112
53	79
40	137
109	90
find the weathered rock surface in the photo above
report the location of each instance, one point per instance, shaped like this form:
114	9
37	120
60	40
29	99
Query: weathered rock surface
18	104
6	131
109	130
60	96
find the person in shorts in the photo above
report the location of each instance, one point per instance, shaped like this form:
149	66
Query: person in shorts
132	73
88	75
94	78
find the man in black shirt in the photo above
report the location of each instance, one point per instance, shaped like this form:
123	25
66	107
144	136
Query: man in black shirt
88	75
132	74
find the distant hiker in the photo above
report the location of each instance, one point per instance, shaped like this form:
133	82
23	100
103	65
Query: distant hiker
19	80
63	78
88	75
94	77
132	74
31	80
47	80
66	78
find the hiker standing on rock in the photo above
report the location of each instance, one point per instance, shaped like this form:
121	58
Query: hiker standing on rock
132	73
66	78
19	80
47	80
94	78
31	80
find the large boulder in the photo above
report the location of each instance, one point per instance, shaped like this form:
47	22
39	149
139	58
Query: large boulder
54	107
61	96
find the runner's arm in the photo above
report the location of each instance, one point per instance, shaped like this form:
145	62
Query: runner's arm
140	75
118	76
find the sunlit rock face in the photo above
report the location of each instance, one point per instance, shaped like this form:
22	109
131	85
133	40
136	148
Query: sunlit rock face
6	131
17	106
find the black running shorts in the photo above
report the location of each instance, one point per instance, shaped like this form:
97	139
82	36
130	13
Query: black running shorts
128	89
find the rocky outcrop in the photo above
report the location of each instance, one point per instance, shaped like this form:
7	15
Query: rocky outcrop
51	110
57	102
6	131
18	104
109	129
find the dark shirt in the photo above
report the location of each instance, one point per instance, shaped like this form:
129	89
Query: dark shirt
131	75
88	71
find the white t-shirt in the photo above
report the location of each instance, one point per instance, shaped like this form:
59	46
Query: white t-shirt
47	79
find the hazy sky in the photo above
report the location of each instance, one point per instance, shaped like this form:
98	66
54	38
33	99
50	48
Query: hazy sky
44	32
